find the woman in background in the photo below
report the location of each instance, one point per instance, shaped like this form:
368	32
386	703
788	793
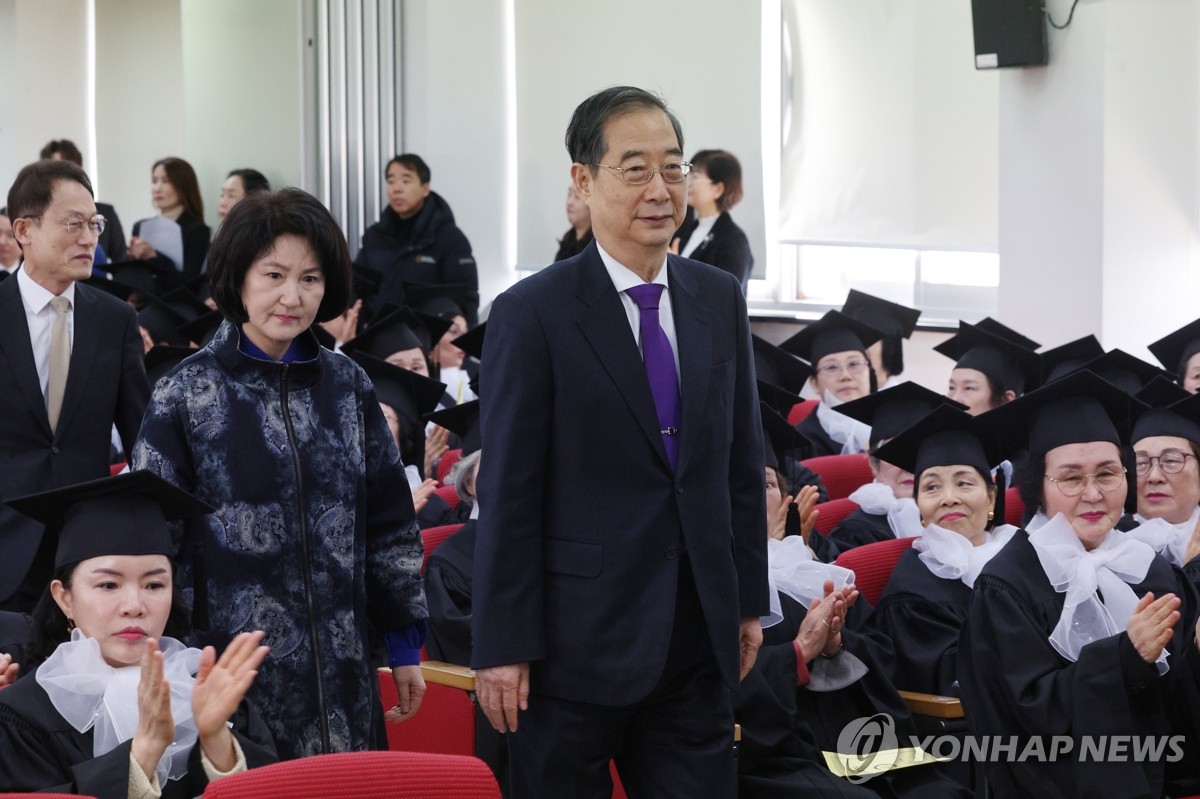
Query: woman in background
580	234
175	192
238	184
709	234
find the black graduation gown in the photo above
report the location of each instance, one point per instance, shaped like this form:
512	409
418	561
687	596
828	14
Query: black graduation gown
436	513
448	577
860	527
41	751
819	442
1014	683
923	614
785	728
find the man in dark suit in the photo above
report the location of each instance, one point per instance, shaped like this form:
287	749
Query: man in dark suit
57	423
621	561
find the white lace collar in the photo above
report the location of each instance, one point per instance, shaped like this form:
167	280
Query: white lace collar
792	569
90	694
1084	576
1169	540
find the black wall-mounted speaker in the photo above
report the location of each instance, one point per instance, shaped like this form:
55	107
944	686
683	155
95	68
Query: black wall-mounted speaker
1009	33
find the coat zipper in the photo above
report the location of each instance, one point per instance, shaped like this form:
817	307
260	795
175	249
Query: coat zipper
305	550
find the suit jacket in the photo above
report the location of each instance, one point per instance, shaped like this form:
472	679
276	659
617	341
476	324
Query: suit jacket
725	247
578	552
106	385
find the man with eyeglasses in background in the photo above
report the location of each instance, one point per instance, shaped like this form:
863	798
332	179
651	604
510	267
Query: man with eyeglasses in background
71	360
620	561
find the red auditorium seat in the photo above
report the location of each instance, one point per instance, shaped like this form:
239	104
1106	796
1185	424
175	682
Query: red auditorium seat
801	410
448	459
449	494
872	565
1014	508
363	775
433	537
46	796
841	474
832	513
445	724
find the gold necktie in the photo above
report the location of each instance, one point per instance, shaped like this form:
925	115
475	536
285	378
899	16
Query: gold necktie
60	358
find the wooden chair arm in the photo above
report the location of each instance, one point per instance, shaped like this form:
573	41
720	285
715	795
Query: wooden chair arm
448	674
942	707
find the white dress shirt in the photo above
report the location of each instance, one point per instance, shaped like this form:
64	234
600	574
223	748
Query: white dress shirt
623	279
40	318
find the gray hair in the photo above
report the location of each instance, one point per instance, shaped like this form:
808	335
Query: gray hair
585	132
462	478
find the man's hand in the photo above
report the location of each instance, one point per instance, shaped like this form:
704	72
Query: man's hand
503	691
750	637
410	686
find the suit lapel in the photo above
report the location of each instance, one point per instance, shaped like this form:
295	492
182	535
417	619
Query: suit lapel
693	333
14	340
606	328
83	356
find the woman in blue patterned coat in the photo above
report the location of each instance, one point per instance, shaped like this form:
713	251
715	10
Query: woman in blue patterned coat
314	539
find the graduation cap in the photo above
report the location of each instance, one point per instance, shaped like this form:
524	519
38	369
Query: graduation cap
122	515
401	329
202	329
163	322
200	287
1009	364
1004	331
366	283
1173	412
463	421
891	411
778	367
779	437
185	303
1174	350
471	342
443	300
162	359
1079	408
833	332
1124	371
946	436
109	286
140	276
890	318
1060	361
780	400
410	395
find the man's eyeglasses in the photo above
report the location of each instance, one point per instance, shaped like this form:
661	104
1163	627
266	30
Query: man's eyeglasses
74	224
675	172
854	367
1171	461
1074	485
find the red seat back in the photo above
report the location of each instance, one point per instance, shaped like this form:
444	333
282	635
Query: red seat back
832	513
363	775
1014	508
445	724
448	459
801	410
841	474
433	537
872	565
449	494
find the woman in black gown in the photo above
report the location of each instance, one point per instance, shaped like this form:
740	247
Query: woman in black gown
1076	629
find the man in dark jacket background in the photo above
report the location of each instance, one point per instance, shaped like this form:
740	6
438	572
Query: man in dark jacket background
416	240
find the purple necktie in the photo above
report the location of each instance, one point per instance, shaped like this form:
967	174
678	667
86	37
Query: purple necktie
660	365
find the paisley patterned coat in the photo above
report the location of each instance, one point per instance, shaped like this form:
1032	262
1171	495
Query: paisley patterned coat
314	532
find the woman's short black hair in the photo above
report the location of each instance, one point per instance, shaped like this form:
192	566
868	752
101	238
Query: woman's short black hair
724	168
893	355
50	626
253	181
250	231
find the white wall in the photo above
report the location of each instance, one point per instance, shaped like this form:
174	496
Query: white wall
702	56
43	97
139	100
